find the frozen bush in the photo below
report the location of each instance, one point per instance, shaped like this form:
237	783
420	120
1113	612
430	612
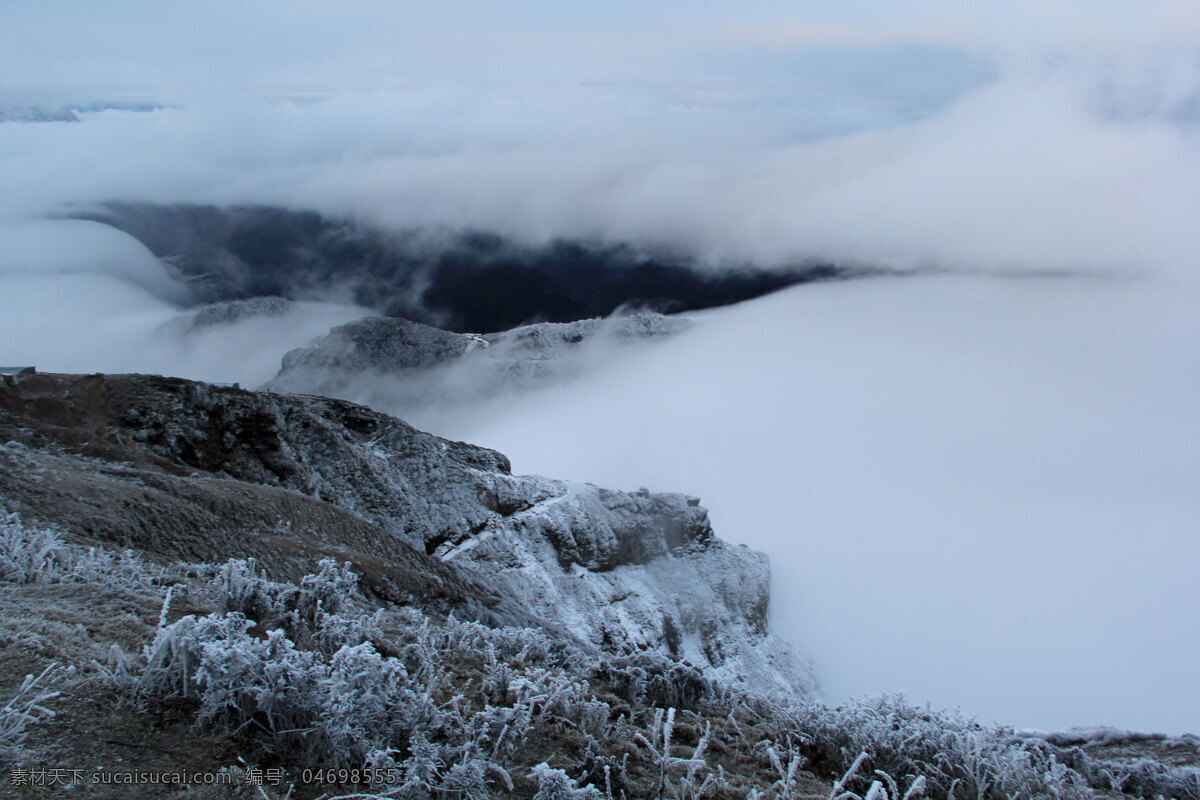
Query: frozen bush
329	590
522	646
466	779
26	706
651	679
959	758
238	586
554	784
233	680
334	631
1143	778
29	556
335	711
39	556
309	614
367	703
347	708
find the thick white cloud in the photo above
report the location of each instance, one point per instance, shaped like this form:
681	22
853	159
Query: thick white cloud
1049	136
76	247
976	491
79	296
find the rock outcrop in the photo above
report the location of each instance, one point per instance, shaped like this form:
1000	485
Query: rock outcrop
420	365
230	311
189	470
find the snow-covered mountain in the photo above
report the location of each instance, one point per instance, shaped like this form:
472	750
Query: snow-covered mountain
190	470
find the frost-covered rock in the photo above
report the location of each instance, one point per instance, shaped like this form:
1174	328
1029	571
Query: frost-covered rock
230	311
378	343
419	364
620	572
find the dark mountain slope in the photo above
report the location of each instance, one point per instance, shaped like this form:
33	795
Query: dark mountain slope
465	281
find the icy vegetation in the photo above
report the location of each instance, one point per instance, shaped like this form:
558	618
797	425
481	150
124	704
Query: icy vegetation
317	674
373	611
29	704
990	480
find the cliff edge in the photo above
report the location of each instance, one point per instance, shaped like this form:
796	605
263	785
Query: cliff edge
194	471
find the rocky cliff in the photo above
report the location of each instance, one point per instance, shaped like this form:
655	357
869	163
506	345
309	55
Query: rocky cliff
189	470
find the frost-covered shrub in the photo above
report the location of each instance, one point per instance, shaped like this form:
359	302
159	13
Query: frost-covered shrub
29	556
264	683
367	703
335	710
26	706
232	679
1153	779
1142	778
555	784
310	614
329	590
239	587
353	706
523	646
333	631
651	679
466	779
959	758
40	556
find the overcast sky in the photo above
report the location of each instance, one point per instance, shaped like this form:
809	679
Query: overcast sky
1030	136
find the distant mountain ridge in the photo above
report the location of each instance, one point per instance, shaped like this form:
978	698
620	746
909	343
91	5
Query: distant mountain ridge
465	281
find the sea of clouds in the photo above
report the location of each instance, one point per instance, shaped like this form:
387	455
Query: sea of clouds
977	485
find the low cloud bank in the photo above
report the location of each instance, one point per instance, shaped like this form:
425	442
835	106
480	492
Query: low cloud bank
978	492
79	296
1027	173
